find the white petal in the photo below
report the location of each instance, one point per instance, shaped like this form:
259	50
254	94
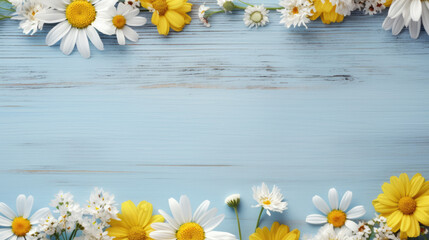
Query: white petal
167	235
333	198
415	28
121	41
163	227
38	215
425	18
69	41
136	21
123	8
5	233
316	219
268	213
51	16
58	32
396	8
346	200
213	223
104	4
94	37
398	25
14	237
131	35
103	27
214	235
57	4
7	211
4	222
201	210
130	14
169	219
320	204
28	206
356	212
207	216
416	10
351	225
82	44
185	204
388	23
20	204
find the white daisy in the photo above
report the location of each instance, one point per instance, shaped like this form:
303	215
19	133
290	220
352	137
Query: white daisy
77	22
363	232
17	226
119	19
337	214
408	13
27	15
270	201
133	3
328	232
233	200
296	12
185	226
201	14
256	16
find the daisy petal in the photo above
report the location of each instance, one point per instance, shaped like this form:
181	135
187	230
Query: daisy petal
121	38
351	225
5	233
185	204
131	35
201	210
415	28
416	10
20	204
7	211
38	215
4	222
82	44
94	37
346	200
356	212
69	41
320	204
28	206
136	21
333	198
58	32
213	223
316	219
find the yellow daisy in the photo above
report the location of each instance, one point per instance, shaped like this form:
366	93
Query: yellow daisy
277	232
135	222
405	204
326	11
169	14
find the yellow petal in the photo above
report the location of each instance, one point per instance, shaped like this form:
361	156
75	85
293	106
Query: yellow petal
394	220
396	183
422	201
422	215
175	19
155	18
163	26
145	210
146	4
405	223
174	4
117	232
414	230
129	213
424	190
391	191
416	184
405	180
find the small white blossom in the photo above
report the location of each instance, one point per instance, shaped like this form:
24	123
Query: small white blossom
328	232
133	3
26	14
233	200
256	16
201	14
270	201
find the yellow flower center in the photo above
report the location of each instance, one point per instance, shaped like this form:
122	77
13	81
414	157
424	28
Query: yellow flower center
266	201
337	218
119	21
295	10
80	13
137	233
256	17
190	231
407	205
160	6
21	226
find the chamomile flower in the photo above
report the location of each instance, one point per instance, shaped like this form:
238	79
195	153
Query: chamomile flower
270	201
133	3
119	19
233	200
77	22
184	225
27	15
374	6
296	12
363	232
256	16
201	14
19	225
337	214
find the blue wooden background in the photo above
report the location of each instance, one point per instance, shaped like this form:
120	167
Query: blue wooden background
210	112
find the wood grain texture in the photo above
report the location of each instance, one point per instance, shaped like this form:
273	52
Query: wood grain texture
210	112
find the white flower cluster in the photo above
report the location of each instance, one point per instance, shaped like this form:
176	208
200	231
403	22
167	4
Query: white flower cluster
381	229
370	7
90	221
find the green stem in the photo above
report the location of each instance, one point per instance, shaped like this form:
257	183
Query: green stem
239	7
259	218
73	234
238	222
273	8
245	3
7	9
424	236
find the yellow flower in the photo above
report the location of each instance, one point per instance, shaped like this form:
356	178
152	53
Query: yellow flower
277	232
388	3
405	204
326	11
168	14
134	223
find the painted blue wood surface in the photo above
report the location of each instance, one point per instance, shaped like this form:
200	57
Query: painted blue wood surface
210	112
